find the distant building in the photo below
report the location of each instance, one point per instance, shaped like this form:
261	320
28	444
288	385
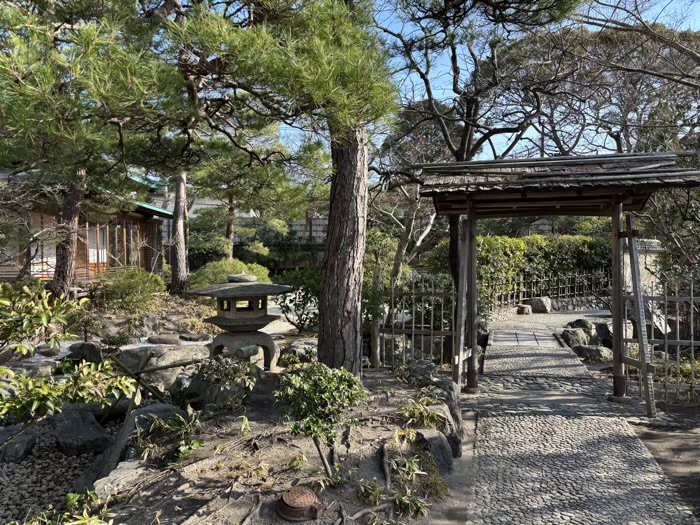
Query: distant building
129	238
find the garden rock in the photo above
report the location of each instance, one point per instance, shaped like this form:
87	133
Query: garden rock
48	351
604	331
88	350
575	337
524	309
593	353
304	347
116	410
165	339
450	428
20	447
179	387
439	448
162	356
540	305
125	476
79	433
421	372
589	327
195	338
205	393
33	368
150	325
141	419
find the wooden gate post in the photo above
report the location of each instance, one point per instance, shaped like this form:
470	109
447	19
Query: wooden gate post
617	306
461	317
472	295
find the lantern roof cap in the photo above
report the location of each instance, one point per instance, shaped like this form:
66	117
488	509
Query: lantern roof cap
241	290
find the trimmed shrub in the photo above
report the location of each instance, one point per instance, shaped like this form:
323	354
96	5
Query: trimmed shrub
217	272
130	290
205	248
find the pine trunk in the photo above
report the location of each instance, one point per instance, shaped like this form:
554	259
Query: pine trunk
230	223
179	263
66	251
340	304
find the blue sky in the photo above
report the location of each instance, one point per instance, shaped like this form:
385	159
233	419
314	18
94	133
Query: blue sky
682	14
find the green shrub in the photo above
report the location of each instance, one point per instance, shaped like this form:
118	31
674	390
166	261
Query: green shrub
131	290
206	247
38	397
217	272
301	306
29	316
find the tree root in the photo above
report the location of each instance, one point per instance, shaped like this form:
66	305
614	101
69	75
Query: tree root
344	517
253	511
385	465
370	510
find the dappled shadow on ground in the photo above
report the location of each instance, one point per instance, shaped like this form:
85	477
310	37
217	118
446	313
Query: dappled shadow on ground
553	469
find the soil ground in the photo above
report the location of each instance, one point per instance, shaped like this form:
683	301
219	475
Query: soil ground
677	450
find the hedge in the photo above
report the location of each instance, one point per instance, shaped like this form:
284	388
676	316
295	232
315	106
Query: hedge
501	259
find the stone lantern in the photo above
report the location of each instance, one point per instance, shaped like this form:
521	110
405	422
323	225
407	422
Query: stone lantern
242	312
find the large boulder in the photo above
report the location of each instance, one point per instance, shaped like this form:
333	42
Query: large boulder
79	433
589	327
540	305
575	337
162	356
138	421
660	327
593	353
88	350
20	446
438	447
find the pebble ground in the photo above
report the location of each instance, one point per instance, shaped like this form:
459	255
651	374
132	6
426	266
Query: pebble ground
43	479
550	449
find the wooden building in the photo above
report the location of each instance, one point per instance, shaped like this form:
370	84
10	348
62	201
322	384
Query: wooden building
593	185
131	238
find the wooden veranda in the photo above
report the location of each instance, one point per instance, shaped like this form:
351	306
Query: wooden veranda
595	185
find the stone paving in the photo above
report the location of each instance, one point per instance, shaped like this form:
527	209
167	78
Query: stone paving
550	449
520	360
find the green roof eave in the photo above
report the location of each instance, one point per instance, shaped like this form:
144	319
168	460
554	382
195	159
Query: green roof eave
155	210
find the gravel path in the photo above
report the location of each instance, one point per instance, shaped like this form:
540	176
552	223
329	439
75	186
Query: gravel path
550	449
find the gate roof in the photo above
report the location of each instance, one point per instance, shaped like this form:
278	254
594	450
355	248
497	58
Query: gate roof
577	185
